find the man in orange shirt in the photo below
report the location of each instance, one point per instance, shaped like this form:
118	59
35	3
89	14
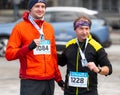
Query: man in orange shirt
32	42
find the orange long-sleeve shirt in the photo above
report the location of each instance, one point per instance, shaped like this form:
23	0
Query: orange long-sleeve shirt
38	67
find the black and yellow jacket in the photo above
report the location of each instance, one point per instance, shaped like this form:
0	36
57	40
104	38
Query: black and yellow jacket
94	53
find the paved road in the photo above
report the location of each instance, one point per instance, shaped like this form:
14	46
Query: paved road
9	81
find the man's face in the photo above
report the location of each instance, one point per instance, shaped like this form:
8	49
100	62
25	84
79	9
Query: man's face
38	10
82	32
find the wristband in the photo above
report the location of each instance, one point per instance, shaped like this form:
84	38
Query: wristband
32	45
61	83
100	69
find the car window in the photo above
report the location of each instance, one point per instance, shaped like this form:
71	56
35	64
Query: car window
60	16
48	17
65	16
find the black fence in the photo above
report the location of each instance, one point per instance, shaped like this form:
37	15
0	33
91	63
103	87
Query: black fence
8	4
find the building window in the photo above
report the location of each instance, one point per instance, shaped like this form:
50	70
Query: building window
94	4
114	6
85	3
111	5
106	4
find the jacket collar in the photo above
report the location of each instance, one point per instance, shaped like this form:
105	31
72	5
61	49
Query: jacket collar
25	17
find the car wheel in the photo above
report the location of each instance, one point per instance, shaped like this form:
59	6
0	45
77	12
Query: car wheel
3	44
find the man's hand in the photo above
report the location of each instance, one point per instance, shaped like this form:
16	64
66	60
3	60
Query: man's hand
61	84
34	44
92	67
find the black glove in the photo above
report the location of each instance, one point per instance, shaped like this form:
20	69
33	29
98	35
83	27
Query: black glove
32	45
61	83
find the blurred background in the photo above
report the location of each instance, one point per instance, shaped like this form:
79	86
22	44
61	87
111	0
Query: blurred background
109	9
12	10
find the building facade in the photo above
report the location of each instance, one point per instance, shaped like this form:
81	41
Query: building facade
100	5
110	9
108	6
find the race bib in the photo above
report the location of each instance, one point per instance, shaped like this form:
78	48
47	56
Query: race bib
43	48
78	79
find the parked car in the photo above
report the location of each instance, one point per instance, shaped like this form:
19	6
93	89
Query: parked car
62	20
5	31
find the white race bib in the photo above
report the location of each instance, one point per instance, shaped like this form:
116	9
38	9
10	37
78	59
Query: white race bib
78	79
43	48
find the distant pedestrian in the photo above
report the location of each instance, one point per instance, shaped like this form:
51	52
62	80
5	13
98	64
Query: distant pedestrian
16	4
